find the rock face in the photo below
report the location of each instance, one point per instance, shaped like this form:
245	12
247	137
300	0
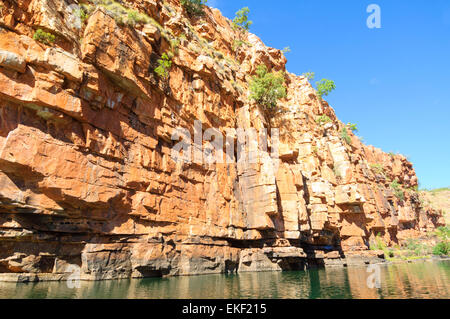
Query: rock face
86	174
438	199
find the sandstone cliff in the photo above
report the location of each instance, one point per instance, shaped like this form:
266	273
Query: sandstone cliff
86	176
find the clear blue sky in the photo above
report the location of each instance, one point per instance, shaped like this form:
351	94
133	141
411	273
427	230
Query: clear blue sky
393	82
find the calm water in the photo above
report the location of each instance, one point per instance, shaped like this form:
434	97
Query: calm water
417	280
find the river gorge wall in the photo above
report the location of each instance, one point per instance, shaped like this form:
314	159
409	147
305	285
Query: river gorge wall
86	174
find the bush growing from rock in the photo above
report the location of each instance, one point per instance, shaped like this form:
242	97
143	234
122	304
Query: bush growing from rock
352	127
324	87
378	169
83	13
267	87
237	44
120	13
164	65
194	7
323	119
345	136
397	190
44	37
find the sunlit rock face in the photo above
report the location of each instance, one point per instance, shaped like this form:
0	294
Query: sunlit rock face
86	173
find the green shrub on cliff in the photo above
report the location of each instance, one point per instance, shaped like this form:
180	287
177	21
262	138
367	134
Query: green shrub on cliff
120	13
378	169
325	87
286	50
352	127
267	88
398	192
237	44
44	37
164	65
194	7
135	17
241	19
345	136
83	12
309	75
323	119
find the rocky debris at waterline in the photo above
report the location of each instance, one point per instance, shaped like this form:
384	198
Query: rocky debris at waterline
257	262
86	176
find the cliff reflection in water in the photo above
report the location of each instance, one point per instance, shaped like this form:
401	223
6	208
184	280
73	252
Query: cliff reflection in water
416	280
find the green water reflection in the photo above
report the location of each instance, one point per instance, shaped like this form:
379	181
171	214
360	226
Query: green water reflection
417	280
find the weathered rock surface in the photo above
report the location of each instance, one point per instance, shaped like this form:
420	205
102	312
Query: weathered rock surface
86	175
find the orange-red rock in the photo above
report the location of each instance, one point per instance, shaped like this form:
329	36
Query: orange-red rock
86	175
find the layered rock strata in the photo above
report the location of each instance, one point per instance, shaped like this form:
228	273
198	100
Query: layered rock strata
86	174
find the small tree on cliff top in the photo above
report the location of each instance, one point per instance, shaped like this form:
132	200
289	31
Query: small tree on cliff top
241	19
267	88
